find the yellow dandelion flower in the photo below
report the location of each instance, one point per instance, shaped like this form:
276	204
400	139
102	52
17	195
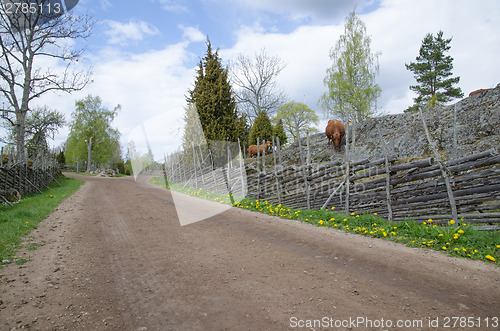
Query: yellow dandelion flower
440	235
385	234
452	222
455	249
424	223
498	246
321	222
352	214
429	220
333	208
375	214
491	258
460	231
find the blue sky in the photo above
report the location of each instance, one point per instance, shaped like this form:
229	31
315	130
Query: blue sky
144	54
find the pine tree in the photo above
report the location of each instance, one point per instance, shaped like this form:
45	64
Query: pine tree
432	72
261	128
279	132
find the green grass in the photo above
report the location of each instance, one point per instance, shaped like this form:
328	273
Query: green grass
200	193
456	238
17	221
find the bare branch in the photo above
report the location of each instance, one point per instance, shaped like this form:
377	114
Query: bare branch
255	79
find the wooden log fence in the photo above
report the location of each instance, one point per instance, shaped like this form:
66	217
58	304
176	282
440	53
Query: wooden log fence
395	189
31	176
414	189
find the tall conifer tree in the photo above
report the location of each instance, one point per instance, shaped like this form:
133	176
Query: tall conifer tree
213	98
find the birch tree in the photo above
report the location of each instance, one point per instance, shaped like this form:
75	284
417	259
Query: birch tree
91	134
297	117
352	92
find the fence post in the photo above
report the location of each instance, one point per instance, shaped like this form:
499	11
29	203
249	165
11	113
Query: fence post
228	166
241	170
194	167
308	160
279	152
443	168
347	170
304	166
258	170
278	186
387	178
455	141
264	156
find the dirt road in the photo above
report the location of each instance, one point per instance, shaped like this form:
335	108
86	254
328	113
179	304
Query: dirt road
114	257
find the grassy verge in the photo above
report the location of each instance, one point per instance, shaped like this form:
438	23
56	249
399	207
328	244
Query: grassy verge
24	216
456	238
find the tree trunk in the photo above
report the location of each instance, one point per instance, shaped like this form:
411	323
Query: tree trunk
20	134
89	153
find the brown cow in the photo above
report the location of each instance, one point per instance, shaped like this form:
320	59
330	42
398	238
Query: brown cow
252	149
335	131
478	91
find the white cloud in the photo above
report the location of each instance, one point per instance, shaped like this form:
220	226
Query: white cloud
122	33
192	34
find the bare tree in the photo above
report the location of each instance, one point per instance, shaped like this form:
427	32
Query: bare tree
255	79
31	32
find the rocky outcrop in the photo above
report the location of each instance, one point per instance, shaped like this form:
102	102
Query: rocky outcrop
469	126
